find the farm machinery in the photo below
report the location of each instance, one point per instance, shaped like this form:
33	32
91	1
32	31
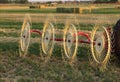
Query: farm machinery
101	41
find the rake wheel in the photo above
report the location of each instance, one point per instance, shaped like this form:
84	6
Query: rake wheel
48	40
70	42
100	45
25	36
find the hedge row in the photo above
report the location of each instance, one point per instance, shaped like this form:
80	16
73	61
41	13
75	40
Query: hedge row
67	10
37	6
106	1
33	6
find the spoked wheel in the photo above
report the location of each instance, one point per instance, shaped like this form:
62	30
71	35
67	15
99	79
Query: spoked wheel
100	46
48	40
25	36
70	42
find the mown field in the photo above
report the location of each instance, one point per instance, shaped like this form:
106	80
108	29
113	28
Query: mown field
32	69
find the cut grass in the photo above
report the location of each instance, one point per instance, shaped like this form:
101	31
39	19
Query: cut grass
32	68
15	34
2	34
18	25
10	24
39	26
14	47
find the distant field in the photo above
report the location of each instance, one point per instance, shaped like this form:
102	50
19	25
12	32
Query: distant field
106	11
14	6
50	10
22	8
28	11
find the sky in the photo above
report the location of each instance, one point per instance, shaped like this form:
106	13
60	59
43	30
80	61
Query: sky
52	0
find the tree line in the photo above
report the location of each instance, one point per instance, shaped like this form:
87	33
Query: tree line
106	1
26	1
13	1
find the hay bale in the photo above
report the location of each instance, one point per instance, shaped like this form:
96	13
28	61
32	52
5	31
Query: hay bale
117	7
32	6
42	6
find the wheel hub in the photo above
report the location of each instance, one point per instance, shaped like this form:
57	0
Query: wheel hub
47	37
69	42
25	37
99	44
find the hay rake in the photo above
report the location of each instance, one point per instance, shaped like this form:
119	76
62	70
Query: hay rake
99	40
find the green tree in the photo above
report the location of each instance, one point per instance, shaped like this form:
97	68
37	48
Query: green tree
3	1
13	1
105	1
21	1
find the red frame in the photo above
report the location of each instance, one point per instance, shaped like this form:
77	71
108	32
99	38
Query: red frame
86	35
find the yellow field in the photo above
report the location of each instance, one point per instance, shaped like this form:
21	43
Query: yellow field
9	6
